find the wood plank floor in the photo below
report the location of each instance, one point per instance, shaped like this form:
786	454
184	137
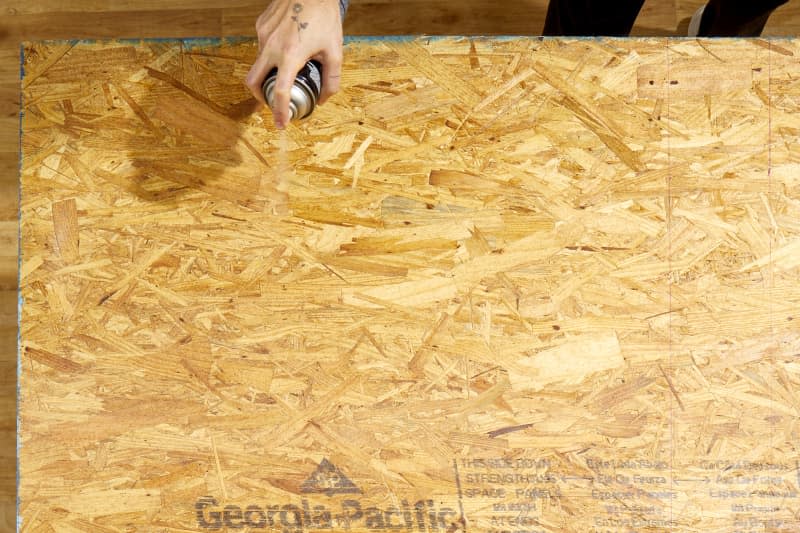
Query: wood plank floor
57	19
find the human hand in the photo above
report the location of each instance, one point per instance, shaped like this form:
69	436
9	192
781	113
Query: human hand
290	32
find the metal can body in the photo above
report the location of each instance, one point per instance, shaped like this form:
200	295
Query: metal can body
304	93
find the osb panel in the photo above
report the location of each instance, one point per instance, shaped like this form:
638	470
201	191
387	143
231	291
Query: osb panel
493	285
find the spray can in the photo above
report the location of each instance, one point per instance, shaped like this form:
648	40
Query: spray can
304	93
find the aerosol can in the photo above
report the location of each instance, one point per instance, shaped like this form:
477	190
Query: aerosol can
304	93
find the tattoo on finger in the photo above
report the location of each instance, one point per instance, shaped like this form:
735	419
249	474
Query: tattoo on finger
297	8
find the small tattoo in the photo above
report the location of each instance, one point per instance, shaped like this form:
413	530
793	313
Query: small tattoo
297	8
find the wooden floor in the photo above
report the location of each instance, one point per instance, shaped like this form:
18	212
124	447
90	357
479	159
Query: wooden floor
50	19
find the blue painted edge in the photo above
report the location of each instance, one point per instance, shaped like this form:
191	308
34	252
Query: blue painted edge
200	42
18	516
188	42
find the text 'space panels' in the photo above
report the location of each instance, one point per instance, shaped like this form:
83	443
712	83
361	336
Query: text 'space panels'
493	285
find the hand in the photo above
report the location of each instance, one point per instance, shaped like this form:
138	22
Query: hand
290	32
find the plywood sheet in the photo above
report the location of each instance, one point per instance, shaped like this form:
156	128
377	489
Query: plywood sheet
493	285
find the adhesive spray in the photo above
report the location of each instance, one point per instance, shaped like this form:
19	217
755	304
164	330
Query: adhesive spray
304	93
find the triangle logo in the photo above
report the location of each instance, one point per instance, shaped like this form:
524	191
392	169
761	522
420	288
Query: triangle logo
328	479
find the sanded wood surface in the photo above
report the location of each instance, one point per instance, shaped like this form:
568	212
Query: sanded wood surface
493	285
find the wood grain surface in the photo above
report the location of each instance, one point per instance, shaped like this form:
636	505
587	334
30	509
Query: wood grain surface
51	19
493	284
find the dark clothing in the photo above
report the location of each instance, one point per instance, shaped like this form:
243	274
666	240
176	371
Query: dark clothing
591	17
721	18
737	18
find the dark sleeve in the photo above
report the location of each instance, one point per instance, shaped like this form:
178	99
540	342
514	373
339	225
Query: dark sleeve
343	7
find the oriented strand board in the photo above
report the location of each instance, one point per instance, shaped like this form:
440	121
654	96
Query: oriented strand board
493	285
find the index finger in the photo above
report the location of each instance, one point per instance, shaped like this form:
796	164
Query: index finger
282	92
257	74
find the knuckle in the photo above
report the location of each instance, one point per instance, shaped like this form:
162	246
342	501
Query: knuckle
271	41
288	47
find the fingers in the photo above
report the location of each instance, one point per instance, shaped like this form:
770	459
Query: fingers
265	27
331	74
258	72
287	71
